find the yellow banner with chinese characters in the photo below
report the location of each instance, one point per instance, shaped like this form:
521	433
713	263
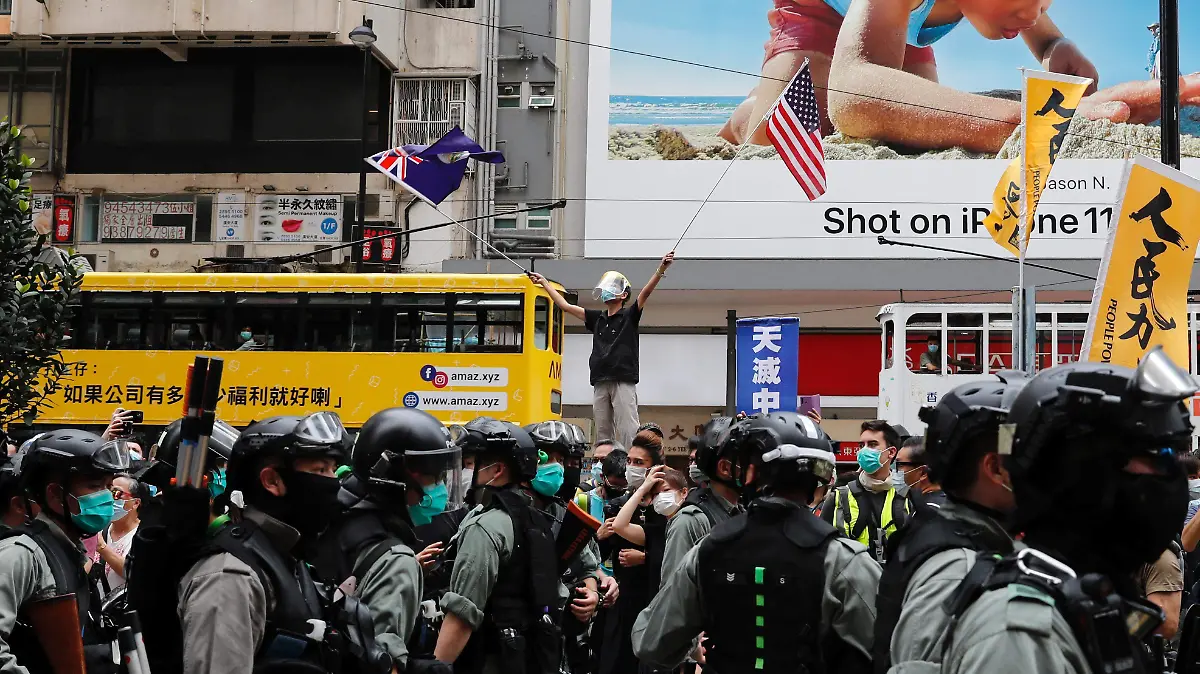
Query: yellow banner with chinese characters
1048	103
1140	299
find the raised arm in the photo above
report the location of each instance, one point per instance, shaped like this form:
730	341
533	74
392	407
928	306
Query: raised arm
653	282
573	309
871	96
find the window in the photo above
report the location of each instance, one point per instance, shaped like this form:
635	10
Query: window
964	343
195	321
477	323
1000	344
425	109
271	318
505	221
889	333
337	322
1070	329
922	351
118	320
538	218
558	330
508	96
541	323
32	95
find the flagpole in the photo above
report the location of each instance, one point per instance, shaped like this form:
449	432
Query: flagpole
1022	237
745	142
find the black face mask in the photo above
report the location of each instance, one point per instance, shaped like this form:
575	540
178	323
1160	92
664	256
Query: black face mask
310	504
570	483
1146	517
611	492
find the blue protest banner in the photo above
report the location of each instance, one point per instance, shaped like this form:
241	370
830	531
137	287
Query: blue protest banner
768	354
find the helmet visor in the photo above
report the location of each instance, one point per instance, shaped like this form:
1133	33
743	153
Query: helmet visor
553	432
610	287
442	466
321	433
223	437
112	457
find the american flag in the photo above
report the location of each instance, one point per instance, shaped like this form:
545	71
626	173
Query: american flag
794	127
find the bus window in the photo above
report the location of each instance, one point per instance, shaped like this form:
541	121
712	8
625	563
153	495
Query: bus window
487	324
964	351
1070	337
1045	341
923	339
419	320
889	332
999	343
271	318
541	323
337	322
119	320
558	330
195	321
964	347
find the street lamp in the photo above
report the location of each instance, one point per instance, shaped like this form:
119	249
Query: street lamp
363	37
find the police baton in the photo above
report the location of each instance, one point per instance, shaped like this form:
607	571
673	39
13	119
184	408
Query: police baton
129	652
135	626
208	415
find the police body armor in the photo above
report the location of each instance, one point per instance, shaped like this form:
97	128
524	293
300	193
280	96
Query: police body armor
761	578
1110	628
66	565
290	641
927	534
522	624
704	499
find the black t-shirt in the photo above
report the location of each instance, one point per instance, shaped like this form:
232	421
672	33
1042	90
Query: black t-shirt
614	344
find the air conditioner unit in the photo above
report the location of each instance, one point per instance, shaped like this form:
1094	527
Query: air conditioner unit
235	250
98	260
323	254
541	101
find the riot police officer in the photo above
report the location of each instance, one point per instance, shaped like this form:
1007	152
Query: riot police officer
1092	458
501	607
933	553
69	475
774	589
405	471
706	506
249	602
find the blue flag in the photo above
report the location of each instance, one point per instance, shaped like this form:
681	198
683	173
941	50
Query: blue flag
433	172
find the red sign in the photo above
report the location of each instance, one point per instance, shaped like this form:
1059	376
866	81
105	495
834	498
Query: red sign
386	247
64	219
847	451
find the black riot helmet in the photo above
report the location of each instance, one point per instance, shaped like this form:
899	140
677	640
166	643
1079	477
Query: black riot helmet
506	441
789	451
1077	443
398	442
54	457
569	441
708	454
287	438
967	414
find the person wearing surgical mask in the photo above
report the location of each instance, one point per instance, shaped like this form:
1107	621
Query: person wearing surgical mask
114	543
614	366
931	359
910	475
246	337
1191	465
875	510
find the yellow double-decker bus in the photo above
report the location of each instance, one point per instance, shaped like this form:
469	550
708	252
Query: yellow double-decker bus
455	345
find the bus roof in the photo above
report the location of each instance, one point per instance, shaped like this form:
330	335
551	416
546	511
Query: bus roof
195	282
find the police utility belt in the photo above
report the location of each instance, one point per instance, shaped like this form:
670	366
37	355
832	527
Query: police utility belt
1110	628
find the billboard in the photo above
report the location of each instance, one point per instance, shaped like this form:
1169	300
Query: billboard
916	137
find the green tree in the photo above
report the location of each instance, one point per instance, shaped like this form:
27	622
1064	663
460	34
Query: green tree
36	283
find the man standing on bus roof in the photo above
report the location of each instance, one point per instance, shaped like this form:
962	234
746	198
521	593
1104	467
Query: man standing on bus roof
614	362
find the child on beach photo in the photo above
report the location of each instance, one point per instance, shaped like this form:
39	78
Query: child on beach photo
876	76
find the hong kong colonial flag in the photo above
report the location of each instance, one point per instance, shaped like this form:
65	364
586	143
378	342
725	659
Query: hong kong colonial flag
1140	299
1048	102
433	172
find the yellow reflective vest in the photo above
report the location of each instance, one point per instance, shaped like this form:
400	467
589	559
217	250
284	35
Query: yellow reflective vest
855	517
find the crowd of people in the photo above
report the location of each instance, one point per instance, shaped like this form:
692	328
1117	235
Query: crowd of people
1038	525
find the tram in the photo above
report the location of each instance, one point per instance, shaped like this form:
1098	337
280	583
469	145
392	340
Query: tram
928	349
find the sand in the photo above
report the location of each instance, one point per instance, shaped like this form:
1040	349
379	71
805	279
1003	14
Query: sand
1088	139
